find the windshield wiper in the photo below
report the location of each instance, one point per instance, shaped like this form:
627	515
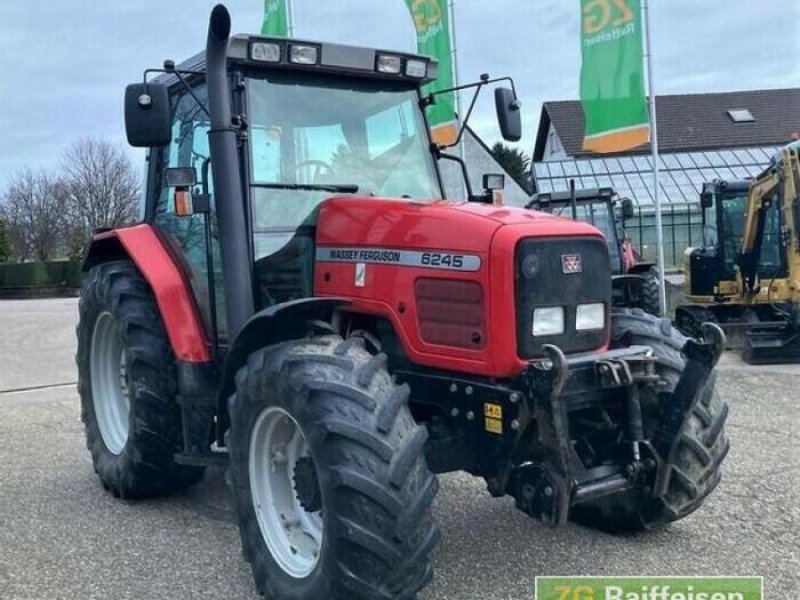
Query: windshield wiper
338	188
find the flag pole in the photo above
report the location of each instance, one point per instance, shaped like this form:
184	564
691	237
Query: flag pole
290	17
654	146
454	59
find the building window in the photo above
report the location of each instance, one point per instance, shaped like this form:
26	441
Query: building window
553	139
741	115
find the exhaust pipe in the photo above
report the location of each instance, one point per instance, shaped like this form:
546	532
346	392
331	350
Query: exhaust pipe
228	193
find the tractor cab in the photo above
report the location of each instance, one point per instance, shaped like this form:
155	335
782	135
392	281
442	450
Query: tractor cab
306	121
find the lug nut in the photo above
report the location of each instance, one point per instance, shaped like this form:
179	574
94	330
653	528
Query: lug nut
470	416
454	412
515	425
548	491
515	397
453	388
468	390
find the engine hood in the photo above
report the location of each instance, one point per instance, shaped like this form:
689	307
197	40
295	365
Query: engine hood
463	226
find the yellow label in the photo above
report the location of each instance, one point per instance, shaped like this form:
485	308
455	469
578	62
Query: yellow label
495	411
494	425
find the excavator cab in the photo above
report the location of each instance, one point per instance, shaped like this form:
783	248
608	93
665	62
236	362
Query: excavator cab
746	275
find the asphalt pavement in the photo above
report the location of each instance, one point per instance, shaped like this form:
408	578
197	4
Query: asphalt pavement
63	537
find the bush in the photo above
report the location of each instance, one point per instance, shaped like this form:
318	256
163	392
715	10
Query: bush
51	274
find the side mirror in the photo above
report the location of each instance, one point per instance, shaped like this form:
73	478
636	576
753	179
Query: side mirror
508	114
627	208
494	181
706	199
147	115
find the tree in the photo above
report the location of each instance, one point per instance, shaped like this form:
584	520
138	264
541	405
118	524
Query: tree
516	163
5	242
102	189
34	210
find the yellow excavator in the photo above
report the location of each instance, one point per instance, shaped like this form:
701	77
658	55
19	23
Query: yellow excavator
746	277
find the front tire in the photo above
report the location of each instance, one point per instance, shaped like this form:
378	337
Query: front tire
126	381
703	441
342	511
651	293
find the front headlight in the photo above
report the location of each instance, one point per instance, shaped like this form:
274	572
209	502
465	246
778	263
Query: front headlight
590	316
548	321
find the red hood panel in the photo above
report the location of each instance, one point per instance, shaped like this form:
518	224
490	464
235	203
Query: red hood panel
399	223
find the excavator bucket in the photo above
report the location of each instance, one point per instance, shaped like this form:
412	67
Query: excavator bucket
772	345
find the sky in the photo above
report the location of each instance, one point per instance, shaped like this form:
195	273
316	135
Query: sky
64	64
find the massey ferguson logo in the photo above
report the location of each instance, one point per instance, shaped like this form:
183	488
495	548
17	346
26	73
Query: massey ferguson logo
571	263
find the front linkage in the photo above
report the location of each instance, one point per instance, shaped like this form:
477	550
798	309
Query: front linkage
518	437
548	490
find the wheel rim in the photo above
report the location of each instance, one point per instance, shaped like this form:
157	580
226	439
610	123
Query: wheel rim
293	534
109	378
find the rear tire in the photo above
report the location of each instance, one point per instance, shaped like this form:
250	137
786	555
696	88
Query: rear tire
372	491
704	443
126	381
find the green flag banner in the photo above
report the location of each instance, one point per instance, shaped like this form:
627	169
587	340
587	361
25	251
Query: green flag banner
432	21
276	18
612	76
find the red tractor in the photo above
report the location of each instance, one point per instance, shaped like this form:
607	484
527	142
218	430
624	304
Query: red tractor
303	306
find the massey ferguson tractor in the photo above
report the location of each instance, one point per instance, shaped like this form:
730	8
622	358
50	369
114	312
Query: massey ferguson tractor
301	305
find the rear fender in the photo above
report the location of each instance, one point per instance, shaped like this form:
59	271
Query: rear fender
278	323
142	245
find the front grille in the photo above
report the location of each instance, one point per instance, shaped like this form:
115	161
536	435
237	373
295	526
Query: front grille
542	282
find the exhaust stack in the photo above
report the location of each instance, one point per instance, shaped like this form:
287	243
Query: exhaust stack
228	193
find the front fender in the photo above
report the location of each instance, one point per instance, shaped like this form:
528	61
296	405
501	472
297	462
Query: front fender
278	323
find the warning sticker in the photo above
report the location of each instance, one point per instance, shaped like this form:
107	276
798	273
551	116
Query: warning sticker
494	425
495	411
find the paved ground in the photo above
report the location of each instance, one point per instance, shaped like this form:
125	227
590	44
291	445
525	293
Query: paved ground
62	537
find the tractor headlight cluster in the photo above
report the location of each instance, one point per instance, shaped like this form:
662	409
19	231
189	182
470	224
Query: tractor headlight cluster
335	58
548	321
392	64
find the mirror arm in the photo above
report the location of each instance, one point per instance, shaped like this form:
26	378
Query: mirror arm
180	75
437	152
478	85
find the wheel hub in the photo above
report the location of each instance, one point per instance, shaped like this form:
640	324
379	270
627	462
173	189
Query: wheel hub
109	381
306	486
285	493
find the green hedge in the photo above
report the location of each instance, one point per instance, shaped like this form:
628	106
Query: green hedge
51	274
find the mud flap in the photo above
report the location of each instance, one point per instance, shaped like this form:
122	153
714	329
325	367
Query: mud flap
701	358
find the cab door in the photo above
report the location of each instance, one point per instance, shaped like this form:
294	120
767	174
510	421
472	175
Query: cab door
188	235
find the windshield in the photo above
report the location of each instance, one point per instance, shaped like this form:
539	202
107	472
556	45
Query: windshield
312	137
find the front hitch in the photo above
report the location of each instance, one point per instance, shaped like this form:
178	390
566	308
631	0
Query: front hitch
548	488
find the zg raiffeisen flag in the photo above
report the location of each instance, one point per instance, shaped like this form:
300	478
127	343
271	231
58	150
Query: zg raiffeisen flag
612	76
276	18
432	21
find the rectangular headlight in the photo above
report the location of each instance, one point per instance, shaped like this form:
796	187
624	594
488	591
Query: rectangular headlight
590	316
548	321
416	68
303	55
389	64
265	52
